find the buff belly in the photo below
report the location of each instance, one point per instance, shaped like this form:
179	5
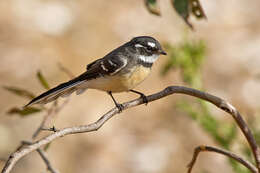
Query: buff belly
120	83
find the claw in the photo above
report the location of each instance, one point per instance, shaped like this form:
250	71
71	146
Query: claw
120	107
145	100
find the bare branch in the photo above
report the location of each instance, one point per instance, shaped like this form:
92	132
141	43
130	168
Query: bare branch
52	129
204	148
46	161
45	119
220	103
43	156
54	110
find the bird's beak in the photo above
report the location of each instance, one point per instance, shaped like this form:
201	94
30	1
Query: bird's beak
162	52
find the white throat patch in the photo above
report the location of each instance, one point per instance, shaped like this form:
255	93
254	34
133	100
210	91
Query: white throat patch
148	59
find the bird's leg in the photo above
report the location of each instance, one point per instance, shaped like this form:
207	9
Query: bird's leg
145	100
119	106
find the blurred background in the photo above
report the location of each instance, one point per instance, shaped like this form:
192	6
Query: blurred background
221	57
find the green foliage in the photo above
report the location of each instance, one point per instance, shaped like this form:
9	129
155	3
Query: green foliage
223	133
253	122
19	92
238	167
188	57
186	7
153	7
43	80
183	7
23	112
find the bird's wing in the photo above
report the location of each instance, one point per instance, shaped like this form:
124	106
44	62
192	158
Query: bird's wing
103	67
61	90
92	63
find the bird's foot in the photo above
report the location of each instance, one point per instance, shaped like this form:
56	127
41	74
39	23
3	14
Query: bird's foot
142	96
145	100
120	107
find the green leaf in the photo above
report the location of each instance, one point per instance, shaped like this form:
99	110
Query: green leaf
20	92
43	80
188	57
182	8
23	112
229	132
153	7
186	7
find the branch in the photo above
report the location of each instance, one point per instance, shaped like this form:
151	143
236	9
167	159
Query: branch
198	149
42	154
46	161
50	113
45	119
54	110
220	103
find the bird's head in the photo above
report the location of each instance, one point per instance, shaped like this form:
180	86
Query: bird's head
148	46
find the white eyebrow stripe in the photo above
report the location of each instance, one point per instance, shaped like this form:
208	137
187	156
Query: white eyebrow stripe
138	45
151	44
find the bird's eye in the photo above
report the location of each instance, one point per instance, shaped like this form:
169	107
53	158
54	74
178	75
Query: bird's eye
149	48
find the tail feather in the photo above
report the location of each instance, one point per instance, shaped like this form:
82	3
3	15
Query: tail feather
80	91
68	92
62	90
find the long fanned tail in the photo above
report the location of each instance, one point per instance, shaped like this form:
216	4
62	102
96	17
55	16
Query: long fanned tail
62	90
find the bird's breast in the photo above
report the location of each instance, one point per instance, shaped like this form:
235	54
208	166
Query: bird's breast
120	82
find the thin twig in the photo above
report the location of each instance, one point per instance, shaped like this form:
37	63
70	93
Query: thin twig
54	110
50	113
52	129
67	71
46	161
43	156
45	119
231	155
220	103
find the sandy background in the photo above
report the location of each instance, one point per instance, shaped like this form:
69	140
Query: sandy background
39	34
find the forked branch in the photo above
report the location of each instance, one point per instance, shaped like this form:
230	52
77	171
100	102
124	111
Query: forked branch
220	103
229	154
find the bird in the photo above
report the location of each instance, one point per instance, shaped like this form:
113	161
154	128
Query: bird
121	70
